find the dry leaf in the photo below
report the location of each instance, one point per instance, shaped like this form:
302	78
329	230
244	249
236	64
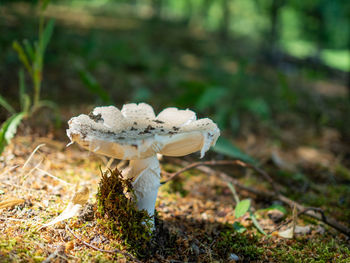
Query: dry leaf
289	233
69	246
11	202
302	230
314	156
79	199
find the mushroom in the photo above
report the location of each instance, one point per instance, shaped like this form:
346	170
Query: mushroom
137	135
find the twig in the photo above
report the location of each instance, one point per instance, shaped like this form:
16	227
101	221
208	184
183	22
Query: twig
115	251
295	218
225	162
269	195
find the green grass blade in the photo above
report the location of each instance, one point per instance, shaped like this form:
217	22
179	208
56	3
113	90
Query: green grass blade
44	4
29	49
23	96
256	224
9	129
92	85
46	36
6	105
22	55
233	190
210	96
224	146
26	101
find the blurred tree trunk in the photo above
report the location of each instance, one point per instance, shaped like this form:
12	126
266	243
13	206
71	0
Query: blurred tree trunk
205	9
157	9
188	11
226	19
321	32
274	34
134	4
349	59
274	20
348	16
204	12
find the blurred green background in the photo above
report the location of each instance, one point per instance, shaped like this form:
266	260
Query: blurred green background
248	64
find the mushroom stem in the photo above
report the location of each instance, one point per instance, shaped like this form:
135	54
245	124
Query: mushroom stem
147	182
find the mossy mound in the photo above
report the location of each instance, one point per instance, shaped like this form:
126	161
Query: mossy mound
117	211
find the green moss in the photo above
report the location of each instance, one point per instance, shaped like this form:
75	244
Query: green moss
176	186
20	250
302	249
94	256
245	246
118	213
342	172
334	199
310	250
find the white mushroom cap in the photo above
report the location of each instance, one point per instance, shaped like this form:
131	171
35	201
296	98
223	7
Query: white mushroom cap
136	133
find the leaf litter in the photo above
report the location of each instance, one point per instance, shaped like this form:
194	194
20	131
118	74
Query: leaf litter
195	215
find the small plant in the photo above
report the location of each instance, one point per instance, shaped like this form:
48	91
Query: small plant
118	212
32	57
242	207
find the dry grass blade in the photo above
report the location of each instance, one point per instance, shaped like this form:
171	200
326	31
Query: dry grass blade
9	170
11	202
31	170
52	176
31	155
13	219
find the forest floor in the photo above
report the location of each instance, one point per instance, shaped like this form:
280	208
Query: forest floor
293	121
196	220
